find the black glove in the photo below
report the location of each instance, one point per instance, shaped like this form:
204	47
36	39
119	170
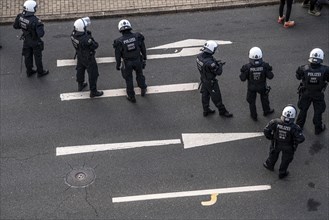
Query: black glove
144	64
118	67
89	32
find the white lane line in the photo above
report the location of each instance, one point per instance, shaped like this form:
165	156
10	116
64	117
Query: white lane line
115	146
122	92
190	193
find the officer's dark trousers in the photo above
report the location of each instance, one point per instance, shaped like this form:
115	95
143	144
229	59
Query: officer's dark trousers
251	99
312	3
30	49
90	65
127	73
319	106
210	89
287	157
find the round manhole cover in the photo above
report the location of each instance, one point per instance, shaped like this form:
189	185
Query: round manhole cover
80	177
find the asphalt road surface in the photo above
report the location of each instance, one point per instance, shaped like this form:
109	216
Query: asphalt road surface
36	183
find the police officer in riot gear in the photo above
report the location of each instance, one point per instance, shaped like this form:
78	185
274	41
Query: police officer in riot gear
209	68
130	48
285	136
85	47
256	72
314	77
33	31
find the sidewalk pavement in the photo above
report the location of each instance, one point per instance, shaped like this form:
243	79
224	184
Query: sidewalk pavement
70	9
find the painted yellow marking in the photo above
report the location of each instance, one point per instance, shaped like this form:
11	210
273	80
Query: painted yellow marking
212	201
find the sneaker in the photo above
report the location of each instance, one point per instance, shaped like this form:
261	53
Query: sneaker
281	20
96	93
226	114
208	112
254	118
31	73
45	72
143	92
269	112
289	24
81	86
131	99
314	12
267	167
307	5
283	175
319	131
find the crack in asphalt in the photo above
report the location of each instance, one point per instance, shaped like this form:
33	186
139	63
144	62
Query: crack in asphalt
86	198
60	204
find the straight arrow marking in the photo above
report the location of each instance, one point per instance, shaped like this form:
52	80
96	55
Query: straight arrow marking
122	92
190	193
60	151
189	141
201	139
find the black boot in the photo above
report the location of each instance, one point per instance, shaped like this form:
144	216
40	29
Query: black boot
143	92
319	131
269	112
208	112
45	72
283	175
226	114
254	118
131	99
96	93
267	167
31	73
81	86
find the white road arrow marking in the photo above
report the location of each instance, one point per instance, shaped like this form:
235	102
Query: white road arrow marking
116	146
188	43
190	193
122	92
189	140
185	52
201	139
190	47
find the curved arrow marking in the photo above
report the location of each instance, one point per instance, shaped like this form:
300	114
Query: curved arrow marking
188	43
212	201
190	47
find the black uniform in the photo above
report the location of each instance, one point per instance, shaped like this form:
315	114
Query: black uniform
86	46
131	48
209	68
284	137
256	76
33	31
314	80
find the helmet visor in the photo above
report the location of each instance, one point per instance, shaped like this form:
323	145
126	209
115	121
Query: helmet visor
86	21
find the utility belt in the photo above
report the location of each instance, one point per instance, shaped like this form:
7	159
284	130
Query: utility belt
207	82
131	59
303	89
85	54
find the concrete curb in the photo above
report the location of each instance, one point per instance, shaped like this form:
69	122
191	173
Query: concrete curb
149	10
